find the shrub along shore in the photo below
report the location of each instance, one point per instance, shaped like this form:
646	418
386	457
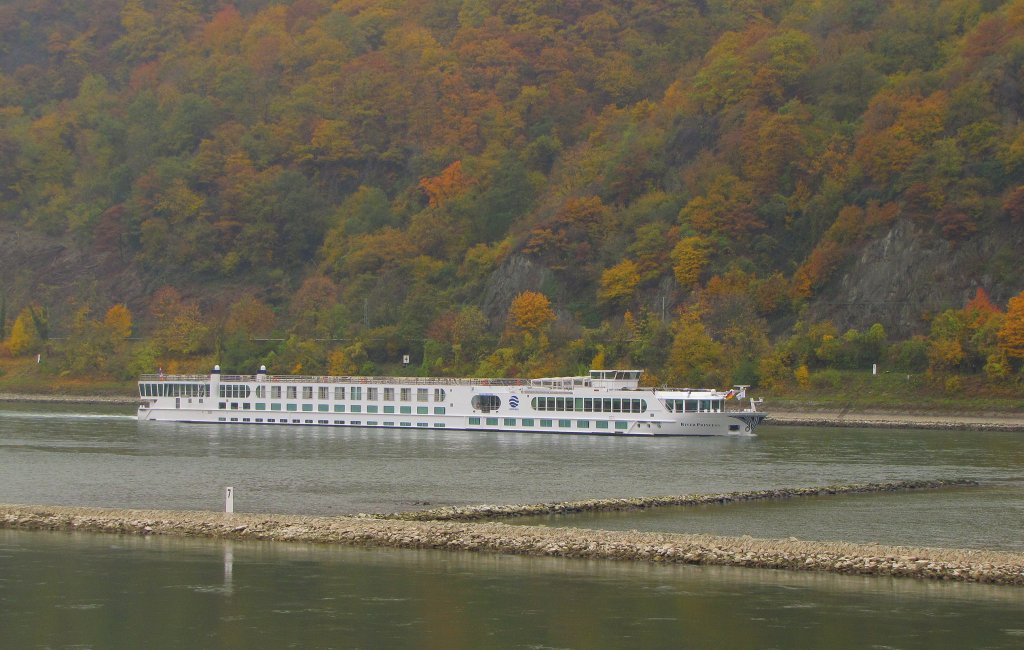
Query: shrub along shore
993	567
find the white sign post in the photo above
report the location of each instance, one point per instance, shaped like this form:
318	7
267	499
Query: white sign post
229	499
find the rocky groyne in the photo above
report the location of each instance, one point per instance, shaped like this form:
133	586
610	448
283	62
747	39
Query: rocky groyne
474	513
859	559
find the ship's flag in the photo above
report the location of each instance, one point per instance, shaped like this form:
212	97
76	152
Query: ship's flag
730	394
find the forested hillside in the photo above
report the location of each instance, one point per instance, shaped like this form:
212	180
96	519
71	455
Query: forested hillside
715	190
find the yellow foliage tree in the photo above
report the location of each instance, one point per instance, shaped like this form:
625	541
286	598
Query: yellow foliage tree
118	321
1011	334
24	338
618	284
689	257
529	312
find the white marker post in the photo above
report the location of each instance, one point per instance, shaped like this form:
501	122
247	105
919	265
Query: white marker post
229	499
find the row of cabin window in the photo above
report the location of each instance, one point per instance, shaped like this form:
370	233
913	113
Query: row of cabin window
355	423
694	405
530	422
589	405
174	390
326	408
373	393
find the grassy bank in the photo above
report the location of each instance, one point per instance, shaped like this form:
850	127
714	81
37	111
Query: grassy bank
890	392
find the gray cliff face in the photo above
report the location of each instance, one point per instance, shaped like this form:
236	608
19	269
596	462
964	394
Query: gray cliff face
904	278
516	275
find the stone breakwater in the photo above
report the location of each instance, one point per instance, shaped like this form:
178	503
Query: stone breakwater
492	537
473	513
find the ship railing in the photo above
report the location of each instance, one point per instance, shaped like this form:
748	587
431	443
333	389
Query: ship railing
325	379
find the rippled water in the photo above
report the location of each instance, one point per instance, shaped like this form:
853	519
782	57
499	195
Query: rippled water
62	455
60	590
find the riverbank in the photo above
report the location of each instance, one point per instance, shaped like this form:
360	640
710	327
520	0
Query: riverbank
844	418
990	567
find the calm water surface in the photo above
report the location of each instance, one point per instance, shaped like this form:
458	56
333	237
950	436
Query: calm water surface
59	590
94	591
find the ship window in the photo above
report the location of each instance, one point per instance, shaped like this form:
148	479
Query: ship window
355	408
421	394
492	422
565	424
510	422
406	394
292	392
261	391
389	409
339	392
323	408
389	395
546	423
601	424
323	392
339	408
371	394
371	408
275	392
275	407
422	410
527	422
474	420
583	424
356	393
293	407
438	410
307	392
439	394
486	403
405	410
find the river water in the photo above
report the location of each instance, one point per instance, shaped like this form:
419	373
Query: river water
61	590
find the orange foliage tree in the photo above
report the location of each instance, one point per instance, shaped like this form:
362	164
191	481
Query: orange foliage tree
529	312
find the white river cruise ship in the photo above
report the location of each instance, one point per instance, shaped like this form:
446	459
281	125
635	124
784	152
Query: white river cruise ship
605	402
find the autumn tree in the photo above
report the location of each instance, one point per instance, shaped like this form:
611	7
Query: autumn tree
695	359
689	258
1011	334
118	321
25	337
529	312
180	328
619	283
